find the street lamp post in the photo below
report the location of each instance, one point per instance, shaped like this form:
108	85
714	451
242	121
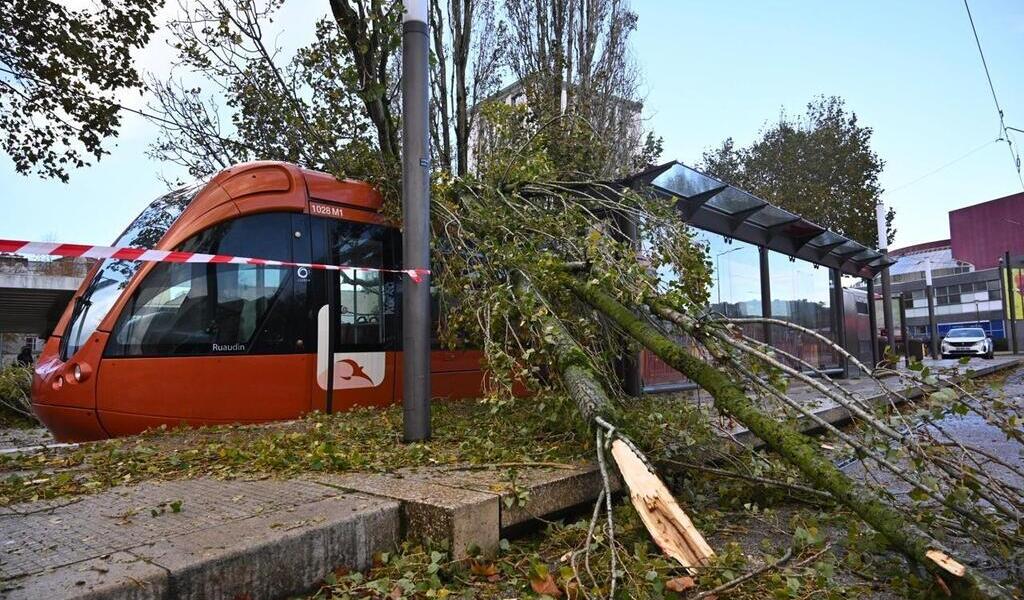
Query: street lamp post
416	222
883	247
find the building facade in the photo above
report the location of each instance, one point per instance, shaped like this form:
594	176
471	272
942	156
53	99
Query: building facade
33	294
982	233
970	287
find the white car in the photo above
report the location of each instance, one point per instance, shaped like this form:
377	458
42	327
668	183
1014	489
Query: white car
966	341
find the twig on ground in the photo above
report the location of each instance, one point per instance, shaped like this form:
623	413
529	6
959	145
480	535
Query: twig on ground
735	582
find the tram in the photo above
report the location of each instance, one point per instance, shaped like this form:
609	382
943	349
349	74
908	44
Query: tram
144	344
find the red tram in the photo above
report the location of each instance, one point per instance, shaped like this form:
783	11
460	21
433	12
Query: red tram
144	344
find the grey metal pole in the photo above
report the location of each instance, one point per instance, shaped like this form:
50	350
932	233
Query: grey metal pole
416	221
839	309
904	296
872	322
883	246
1011	302
766	292
933	330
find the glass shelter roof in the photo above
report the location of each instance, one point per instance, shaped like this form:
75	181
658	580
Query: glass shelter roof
712	205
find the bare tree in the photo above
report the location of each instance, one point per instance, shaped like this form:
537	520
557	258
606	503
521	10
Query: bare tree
572	57
467	37
303	109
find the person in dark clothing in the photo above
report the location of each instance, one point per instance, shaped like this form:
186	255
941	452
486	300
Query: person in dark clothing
25	358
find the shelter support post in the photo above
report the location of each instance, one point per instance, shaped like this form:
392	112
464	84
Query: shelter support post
1011	301
766	292
872	321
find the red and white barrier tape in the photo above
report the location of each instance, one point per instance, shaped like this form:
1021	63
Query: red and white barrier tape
146	255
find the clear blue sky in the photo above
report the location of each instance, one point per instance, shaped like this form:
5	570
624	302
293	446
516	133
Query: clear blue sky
908	69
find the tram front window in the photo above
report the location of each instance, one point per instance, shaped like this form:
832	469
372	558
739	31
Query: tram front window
203	308
113	275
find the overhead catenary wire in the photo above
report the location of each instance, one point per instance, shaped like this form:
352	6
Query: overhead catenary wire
946	166
1003	133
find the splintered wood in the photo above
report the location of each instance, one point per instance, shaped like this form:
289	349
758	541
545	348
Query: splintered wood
671	529
946	562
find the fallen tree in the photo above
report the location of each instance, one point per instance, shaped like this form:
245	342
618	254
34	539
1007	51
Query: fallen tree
798	450
670	527
558	293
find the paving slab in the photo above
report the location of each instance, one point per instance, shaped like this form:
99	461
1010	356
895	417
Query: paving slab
265	538
279	553
116	576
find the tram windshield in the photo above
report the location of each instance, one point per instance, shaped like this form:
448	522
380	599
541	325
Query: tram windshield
114	274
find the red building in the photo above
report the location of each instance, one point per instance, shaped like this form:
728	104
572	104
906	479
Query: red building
982	233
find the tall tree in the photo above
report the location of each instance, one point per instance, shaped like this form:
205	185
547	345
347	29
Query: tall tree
372	34
467	37
820	166
61	70
572	57
305	109
334	105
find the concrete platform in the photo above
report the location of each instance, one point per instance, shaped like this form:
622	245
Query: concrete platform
264	539
867	390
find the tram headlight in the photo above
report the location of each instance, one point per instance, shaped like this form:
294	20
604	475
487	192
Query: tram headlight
81	372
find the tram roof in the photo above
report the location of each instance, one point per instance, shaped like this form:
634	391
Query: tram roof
713	205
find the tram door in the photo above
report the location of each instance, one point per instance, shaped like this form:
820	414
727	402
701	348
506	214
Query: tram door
364	307
214	343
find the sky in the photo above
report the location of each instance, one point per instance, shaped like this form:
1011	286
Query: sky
909	70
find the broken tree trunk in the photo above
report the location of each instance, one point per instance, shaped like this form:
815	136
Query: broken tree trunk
797	449
667	523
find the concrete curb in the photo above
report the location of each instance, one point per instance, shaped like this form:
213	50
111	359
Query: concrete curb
272	555
214	548
471	506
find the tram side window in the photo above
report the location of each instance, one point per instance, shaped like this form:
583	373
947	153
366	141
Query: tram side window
204	308
367	300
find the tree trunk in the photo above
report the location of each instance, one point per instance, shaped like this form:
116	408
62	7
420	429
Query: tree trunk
441	121
370	52
665	520
795	447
